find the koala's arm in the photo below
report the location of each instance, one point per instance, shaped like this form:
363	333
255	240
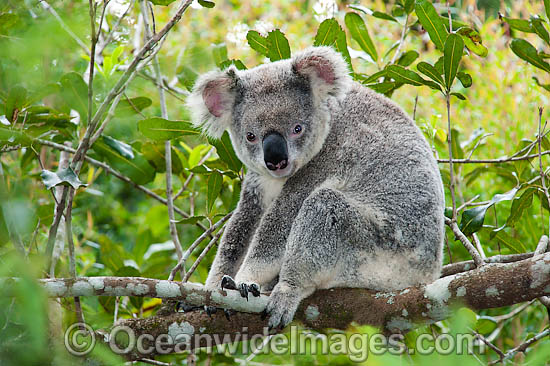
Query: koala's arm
238	233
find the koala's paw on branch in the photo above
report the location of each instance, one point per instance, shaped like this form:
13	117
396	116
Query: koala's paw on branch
281	307
244	288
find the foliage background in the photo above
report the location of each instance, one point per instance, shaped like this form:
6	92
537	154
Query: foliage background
120	231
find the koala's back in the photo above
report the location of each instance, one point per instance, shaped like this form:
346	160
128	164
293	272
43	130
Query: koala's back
380	160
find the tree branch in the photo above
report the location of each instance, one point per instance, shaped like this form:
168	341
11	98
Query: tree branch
491	286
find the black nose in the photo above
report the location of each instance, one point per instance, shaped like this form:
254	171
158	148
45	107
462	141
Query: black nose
275	151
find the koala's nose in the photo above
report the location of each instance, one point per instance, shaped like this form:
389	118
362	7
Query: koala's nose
275	151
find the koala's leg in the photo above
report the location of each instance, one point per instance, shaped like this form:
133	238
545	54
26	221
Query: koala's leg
320	234
264	257
236	238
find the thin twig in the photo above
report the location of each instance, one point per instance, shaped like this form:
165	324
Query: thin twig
65	27
196	243
120	176
450	147
167	145
478	261
494	161
109	37
491	345
401	40
213	241
522	347
478	246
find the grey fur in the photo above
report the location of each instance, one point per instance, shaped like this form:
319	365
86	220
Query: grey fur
362	202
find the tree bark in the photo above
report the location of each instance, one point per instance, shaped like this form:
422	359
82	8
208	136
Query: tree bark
490	286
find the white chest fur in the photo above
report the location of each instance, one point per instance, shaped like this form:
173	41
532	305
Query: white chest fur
270	188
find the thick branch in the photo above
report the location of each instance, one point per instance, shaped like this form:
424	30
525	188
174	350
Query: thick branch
491	286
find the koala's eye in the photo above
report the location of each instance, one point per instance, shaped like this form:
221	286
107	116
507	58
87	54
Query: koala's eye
250	136
297	129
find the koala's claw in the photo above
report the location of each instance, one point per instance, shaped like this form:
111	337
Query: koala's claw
243	289
183	307
228	313
210	310
228	283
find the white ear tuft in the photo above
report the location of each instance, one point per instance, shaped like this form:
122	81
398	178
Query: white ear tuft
326	69
211	101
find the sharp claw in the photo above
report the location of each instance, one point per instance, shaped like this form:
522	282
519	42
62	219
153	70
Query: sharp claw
243	289
254	289
263	314
228	313
210	310
228	283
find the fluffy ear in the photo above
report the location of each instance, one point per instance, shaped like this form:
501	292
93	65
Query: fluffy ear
211	101
326	70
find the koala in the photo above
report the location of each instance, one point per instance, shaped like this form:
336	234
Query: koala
341	188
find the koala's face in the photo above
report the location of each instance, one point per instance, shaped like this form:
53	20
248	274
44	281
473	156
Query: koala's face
276	114
276	128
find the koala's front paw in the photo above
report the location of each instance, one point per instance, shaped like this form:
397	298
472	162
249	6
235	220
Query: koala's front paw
243	288
281	307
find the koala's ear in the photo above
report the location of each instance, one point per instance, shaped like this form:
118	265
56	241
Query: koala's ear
211	101
326	70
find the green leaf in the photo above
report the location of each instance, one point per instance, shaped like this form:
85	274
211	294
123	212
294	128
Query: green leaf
380	15
206	4
547	8
510	242
9	137
459	96
278	47
465	79
15	102
132	106
454	46
472	41
327	32
257	42
538	26
372	78
545	86
162	2
472	219
409	6
66	177
527	52
360	34
186	76
407	58
237	63
214	185
75	93
402	75
519	205
384	87
485	326
225	151
430	72
431	22
155	153
123	158
219	53
190	220
160	129
522	25
342	47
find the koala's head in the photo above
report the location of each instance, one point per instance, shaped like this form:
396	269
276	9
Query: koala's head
276	114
